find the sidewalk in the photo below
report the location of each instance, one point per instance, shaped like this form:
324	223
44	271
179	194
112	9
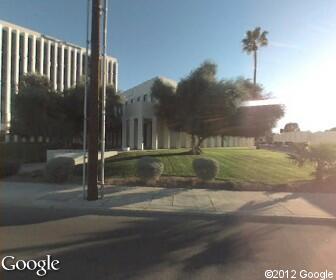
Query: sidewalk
201	201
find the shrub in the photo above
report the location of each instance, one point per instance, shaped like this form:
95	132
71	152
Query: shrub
9	168
59	169
206	169
149	169
323	156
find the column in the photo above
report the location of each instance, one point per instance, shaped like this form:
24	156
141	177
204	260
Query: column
131	133
166	137
178	139
140	133
68	67
154	133
124	133
33	54
212	142
80	66
74	68
41	56
61	69
55	67
25	53
48	59
0	76
16	65
7	88
115	75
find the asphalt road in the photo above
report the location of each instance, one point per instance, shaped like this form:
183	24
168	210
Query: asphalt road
104	246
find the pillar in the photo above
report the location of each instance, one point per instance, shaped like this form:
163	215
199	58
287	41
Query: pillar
218	141
33	54
25	53
178	139
140	133
124	134
16	65
74	68
54	65
166	137
48	59
80	66
7	88
60	68
131	132
68	67
41	56
154	133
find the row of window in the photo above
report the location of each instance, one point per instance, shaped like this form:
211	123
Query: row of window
71	58
145	98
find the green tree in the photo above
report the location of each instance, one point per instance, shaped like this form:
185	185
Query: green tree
254	39
203	107
37	108
73	110
323	156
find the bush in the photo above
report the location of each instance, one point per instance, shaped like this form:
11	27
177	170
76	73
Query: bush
9	168
206	169
323	156
59	169
149	169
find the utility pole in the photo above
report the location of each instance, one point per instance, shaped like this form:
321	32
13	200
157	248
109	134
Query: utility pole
103	101
93	103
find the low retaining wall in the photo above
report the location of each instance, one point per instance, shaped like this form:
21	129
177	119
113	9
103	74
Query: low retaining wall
77	155
306	137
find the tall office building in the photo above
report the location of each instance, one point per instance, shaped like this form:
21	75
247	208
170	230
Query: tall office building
25	51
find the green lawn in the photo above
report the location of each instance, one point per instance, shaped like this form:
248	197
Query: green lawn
238	165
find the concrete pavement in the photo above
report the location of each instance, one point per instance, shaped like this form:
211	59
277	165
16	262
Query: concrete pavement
176	200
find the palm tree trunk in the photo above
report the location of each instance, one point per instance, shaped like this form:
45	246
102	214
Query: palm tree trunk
255	67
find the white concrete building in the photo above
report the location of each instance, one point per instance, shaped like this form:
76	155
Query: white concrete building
26	51
141	129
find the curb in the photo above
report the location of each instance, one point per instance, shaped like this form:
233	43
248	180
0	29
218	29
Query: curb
167	213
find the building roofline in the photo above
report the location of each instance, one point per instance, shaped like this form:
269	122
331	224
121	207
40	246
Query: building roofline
39	34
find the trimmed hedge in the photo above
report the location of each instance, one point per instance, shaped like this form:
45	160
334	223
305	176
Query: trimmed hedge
206	169
59	169
9	168
149	169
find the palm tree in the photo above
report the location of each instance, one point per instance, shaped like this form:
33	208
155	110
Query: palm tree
253	40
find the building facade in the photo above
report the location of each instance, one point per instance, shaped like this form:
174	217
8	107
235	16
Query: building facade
25	51
141	129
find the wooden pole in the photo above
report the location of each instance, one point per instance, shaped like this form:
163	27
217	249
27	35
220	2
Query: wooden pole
93	103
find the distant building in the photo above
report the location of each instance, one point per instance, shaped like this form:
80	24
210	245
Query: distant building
26	51
141	129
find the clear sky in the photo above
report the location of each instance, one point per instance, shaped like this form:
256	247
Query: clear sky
171	37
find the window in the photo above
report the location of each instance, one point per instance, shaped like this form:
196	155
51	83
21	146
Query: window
138	99
145	97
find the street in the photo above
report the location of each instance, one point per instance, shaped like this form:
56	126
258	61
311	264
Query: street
93	245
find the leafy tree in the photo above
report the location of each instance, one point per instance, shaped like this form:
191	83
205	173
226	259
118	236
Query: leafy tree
74	110
254	39
40	111
323	156
37	108
203	107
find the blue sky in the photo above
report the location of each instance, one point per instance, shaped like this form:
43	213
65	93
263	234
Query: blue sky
171	37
